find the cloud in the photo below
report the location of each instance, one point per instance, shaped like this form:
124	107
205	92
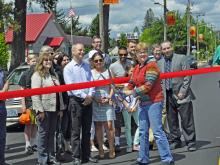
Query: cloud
130	13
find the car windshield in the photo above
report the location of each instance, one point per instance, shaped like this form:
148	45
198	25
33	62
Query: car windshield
16	76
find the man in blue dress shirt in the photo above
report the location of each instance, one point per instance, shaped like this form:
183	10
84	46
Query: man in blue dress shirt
80	105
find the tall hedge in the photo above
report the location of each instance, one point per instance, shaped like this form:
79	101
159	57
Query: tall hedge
4	55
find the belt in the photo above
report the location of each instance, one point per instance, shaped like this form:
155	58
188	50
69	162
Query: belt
78	99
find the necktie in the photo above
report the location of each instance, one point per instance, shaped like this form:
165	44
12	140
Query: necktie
168	69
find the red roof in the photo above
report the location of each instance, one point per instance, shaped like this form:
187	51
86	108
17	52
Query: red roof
35	24
54	41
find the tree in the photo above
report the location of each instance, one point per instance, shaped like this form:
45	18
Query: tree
18	44
136	30
122	40
148	19
48	5
76	27
5	15
3	52
94	27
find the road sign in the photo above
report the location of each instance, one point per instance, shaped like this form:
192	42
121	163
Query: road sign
110	1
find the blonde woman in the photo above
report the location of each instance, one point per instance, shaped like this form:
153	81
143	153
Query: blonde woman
47	106
30	130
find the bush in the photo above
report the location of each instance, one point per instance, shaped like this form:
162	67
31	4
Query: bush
4	55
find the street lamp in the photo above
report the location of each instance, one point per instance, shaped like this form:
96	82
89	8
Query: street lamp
165	19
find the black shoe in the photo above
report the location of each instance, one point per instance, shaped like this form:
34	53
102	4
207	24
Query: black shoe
90	159
76	161
175	145
34	148
191	148
29	150
117	148
53	162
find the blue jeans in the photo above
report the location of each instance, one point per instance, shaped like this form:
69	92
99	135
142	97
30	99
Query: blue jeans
151	116
3	114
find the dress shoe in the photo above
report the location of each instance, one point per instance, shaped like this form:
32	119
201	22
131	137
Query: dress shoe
76	161
117	148
191	148
90	159
175	145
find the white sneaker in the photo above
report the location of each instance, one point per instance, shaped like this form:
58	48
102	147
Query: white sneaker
94	149
129	149
104	147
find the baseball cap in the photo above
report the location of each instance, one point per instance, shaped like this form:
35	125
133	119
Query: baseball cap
92	52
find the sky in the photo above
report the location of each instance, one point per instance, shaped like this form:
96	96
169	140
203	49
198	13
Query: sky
130	13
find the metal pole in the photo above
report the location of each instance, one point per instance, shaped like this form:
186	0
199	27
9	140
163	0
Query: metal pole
188	27
165	20
101	23
197	33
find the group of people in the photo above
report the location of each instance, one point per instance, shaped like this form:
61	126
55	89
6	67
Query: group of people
90	113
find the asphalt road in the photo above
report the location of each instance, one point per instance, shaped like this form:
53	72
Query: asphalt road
206	113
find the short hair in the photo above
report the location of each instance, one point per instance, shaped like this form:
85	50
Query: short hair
31	57
95	37
74	45
46	49
131	41
122	48
156	46
167	41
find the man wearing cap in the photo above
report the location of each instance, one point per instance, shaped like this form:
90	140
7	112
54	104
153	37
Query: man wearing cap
4	84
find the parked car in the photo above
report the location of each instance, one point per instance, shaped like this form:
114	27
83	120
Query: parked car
13	105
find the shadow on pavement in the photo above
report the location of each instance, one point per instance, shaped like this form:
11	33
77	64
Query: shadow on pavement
201	143
15	150
26	162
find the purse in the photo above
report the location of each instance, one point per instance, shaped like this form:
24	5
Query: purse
25	117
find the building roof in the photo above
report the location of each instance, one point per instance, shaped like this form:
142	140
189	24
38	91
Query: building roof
54	41
35	23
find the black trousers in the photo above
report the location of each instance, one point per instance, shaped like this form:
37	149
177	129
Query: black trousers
81	118
187	120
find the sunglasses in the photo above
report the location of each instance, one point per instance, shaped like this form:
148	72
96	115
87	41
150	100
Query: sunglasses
123	55
99	60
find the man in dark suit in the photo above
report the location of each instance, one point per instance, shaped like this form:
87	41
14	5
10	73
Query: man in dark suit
179	98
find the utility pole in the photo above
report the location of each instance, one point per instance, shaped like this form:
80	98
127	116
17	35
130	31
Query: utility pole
165	20
103	25
188	27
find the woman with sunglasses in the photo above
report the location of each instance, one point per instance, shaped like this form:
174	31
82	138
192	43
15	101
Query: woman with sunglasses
103	113
47	106
145	83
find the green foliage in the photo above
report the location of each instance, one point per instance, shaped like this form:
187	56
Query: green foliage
94	27
6	12
76	27
48	5
4	55
122	40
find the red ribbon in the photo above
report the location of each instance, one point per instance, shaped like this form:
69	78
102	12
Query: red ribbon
68	87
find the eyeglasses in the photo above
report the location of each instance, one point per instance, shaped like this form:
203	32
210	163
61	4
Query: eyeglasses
99	60
123	55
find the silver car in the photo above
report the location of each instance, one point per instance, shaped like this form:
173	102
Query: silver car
14	105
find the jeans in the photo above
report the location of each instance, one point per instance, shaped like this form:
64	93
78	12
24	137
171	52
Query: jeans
3	114
46	134
127	121
151	116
